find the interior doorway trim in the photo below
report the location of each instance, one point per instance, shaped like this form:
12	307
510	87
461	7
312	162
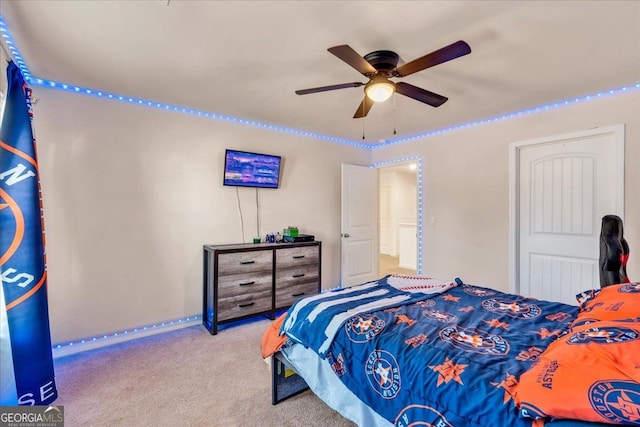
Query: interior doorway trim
514	186
419	229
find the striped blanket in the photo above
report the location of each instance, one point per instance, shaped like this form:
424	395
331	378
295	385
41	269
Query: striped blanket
314	321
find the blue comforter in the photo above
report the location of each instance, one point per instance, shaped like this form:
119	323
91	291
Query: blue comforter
448	359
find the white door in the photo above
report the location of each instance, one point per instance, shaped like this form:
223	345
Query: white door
566	184
385	219
359	241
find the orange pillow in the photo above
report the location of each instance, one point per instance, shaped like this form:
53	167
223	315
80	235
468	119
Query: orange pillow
591	374
611	303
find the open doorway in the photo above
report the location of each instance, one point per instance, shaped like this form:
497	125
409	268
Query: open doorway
398	218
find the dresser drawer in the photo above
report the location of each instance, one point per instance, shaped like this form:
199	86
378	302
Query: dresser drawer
244	305
286	297
291	257
240	284
245	262
288	277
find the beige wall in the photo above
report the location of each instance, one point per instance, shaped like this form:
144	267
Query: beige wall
466	186
131	194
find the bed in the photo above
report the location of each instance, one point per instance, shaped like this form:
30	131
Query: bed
407	351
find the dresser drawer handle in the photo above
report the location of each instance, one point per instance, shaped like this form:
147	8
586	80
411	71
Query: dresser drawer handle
247	262
247	283
299	294
249	304
298	275
298	256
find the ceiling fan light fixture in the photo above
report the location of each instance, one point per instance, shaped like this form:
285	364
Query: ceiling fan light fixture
379	89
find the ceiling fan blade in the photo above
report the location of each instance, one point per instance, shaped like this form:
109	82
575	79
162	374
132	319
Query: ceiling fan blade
420	94
353	58
447	53
363	108
326	88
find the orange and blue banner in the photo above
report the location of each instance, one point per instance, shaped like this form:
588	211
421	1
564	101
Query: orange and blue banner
26	360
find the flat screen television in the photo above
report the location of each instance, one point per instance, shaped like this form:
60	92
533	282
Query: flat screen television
245	169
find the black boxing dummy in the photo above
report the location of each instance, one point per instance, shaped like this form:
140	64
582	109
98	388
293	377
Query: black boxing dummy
614	252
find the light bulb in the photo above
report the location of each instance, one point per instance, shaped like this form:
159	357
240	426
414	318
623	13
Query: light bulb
379	89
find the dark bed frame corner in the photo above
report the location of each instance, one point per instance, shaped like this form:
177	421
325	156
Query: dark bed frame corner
285	382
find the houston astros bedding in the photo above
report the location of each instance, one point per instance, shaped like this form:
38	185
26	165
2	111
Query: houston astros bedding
409	351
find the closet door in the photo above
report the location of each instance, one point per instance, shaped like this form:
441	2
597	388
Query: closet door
566	185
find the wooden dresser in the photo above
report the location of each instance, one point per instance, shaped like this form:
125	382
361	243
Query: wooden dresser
245	280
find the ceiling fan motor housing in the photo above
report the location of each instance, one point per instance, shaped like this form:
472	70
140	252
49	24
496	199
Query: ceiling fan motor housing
383	60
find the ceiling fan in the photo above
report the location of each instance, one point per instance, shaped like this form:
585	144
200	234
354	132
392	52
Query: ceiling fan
379	66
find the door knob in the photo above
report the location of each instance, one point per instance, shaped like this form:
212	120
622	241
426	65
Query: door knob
345	234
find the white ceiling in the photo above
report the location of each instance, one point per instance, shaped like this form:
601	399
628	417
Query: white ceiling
246	59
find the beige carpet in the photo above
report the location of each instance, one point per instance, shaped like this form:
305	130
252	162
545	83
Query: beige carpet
388	264
182	378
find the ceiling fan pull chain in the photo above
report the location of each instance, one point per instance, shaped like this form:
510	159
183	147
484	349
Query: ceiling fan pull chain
363	119
394	113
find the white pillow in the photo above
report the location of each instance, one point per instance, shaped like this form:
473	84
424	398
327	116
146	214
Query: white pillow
426	285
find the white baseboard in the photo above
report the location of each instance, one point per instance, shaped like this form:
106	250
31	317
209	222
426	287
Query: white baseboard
86	344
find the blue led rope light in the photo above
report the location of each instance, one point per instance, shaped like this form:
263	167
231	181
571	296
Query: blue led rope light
420	199
131	331
15	53
4	31
285	129
36	81
191	111
17	57
506	116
